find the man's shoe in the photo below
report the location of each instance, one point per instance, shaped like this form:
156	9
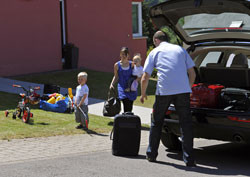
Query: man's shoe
151	159
191	164
79	127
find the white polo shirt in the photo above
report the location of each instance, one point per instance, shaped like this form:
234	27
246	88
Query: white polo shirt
172	63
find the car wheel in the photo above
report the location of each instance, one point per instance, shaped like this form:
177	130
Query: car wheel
26	115
170	141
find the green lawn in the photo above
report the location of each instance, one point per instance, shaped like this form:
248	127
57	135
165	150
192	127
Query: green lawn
46	123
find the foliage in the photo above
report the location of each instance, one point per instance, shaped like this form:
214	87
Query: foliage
148	28
173	38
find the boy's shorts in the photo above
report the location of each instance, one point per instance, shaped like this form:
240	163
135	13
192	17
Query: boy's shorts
79	116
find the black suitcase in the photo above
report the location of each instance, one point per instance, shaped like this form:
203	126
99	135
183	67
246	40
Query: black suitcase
126	134
235	99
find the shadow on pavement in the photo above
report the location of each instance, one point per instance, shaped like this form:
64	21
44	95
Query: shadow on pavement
134	157
145	128
226	159
91	132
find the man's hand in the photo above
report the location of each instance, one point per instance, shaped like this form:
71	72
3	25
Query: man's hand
144	85
142	98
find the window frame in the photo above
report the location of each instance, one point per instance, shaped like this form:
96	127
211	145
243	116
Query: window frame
139	8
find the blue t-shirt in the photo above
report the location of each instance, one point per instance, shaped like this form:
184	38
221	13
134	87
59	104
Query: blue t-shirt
172	63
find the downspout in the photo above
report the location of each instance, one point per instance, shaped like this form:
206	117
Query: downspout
63	23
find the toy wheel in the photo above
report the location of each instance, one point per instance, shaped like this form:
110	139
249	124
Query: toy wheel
18	112
14	115
6	113
26	115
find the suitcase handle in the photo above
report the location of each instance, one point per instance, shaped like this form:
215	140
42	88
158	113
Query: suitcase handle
128	113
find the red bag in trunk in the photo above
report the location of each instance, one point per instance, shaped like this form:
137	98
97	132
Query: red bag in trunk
206	96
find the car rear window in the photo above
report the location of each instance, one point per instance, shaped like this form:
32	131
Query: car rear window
230	60
211	57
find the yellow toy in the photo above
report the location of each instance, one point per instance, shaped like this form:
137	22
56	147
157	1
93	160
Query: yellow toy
70	93
55	98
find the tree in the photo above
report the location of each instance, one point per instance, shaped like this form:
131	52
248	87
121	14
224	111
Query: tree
148	28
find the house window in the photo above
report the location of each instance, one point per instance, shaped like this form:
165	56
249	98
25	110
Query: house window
137	19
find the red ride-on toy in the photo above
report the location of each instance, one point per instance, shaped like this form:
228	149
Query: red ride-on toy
23	108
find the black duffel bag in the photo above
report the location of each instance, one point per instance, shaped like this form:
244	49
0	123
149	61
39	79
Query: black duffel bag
235	99
112	106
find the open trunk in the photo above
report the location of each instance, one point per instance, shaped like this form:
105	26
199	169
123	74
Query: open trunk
218	97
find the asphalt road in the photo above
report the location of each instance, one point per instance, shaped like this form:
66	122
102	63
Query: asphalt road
214	158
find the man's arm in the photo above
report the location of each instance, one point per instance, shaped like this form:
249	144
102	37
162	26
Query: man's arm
144	85
191	76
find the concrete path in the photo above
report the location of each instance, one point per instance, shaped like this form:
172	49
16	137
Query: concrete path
29	149
142	112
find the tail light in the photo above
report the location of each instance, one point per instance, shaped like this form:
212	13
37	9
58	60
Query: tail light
239	119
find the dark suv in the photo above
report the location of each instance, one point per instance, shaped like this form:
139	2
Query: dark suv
217	36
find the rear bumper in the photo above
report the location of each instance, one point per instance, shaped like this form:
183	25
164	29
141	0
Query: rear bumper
206	130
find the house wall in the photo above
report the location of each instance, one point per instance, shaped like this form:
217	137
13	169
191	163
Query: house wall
99	29
139	45
30	36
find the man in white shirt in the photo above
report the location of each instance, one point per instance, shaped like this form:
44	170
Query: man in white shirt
176	76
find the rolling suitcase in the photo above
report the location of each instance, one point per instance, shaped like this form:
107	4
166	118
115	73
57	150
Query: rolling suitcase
126	134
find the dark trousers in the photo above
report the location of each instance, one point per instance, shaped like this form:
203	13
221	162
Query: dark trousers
127	105
182	106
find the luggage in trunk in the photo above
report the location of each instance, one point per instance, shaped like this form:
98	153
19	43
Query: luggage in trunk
126	135
205	96
235	99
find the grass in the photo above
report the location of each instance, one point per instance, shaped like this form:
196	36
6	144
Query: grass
45	123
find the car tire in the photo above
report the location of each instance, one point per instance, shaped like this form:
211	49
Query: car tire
170	141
